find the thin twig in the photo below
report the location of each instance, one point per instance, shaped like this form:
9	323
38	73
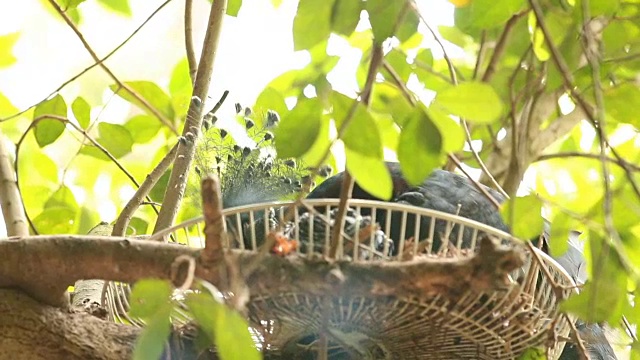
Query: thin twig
481	163
396	79
186	150
136	200
620	162
479	186
188	39
102	60
377	56
167	122
501	45
481	51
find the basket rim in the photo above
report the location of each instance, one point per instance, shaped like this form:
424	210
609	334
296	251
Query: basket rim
410	209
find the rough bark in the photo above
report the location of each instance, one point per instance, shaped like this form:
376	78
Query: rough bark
32	331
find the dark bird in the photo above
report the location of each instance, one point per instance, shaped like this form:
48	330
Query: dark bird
442	191
593	335
250	176
451	193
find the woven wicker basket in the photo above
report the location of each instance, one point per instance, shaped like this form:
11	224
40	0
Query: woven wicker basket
495	325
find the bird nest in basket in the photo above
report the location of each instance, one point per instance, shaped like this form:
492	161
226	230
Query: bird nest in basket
401	282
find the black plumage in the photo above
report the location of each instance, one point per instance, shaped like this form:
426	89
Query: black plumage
442	191
454	194
593	335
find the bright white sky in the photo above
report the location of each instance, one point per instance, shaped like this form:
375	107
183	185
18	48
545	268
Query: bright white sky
255	48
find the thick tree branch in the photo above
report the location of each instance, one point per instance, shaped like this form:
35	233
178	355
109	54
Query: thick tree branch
186	149
128	260
35	332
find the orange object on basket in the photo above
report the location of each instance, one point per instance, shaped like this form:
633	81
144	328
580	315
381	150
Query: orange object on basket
283	246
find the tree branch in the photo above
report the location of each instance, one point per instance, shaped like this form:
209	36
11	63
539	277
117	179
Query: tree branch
12	209
620	162
128	260
188	39
500	47
120	227
186	150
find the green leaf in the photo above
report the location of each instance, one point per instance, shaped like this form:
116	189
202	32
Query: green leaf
149	91
312	23
82	111
476	102
63	197
37	167
315	154
559	26
398	62
619	36
70	4
420	147
383	15
455	36
149	296
362	134
226	328
180	87
560	229
142	128
345	16
389	131
602	7
271	99
409	25
487	14
151	342
115	138
120	7
6	45
454	138
617	102
48	130
137	226
386	98
523	214
370	173
608	278
55	220
298	129
233	7
158	191
536	353
6	107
